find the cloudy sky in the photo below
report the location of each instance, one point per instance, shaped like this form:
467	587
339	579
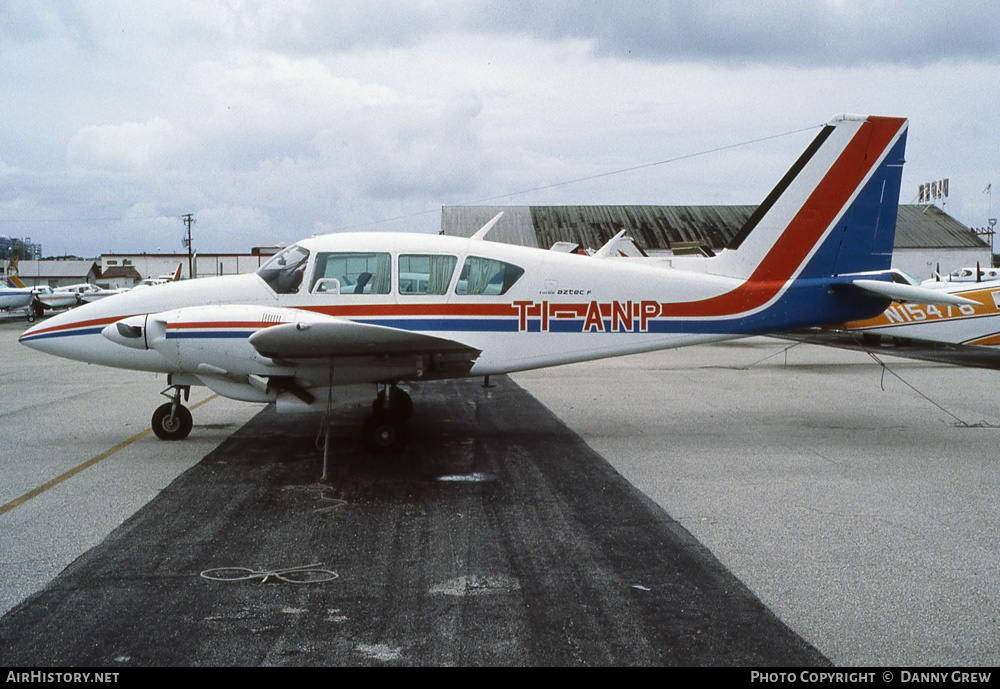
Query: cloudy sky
273	121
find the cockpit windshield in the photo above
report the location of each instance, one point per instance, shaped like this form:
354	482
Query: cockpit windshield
283	273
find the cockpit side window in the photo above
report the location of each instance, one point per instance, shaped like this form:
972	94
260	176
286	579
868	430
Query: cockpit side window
425	273
487	276
283	273
351	273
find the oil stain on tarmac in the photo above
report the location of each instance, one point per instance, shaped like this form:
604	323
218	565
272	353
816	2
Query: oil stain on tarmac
498	538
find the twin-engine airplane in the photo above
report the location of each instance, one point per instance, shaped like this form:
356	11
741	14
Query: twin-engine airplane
380	309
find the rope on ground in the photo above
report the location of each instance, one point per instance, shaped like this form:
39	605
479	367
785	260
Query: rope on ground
784	351
305	574
324	427
335	503
959	422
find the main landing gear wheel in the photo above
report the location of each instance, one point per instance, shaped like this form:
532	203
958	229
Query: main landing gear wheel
400	403
172	423
385	430
384	434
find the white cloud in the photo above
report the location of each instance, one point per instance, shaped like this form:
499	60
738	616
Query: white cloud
299	117
138	146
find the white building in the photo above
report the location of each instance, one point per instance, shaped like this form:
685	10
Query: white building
205	264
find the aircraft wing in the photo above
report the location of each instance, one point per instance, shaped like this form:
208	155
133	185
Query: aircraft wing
974	356
227	340
344	338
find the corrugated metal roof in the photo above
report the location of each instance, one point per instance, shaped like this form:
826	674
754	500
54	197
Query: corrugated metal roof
652	227
929	227
659	227
515	227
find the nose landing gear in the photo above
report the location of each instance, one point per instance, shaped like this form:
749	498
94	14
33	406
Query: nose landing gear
173	421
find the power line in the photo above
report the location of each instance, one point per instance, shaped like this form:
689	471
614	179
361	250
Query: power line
588	178
497	197
638	167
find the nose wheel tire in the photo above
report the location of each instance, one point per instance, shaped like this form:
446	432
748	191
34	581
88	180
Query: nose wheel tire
172	426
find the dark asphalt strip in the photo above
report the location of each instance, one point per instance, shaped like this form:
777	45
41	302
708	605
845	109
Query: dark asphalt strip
498	538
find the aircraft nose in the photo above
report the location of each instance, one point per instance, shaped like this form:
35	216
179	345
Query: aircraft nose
59	335
27	336
40	337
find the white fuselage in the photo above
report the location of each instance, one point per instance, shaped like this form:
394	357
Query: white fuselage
15	297
565	308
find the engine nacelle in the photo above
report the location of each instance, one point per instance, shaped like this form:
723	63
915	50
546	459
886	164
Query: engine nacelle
137	332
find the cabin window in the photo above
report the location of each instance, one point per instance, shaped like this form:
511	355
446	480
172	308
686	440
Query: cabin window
425	273
283	273
487	276
351	273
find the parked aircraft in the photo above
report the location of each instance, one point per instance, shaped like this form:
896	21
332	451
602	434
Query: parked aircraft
33	301
163	279
968	274
976	323
52	299
17	299
379	310
86	292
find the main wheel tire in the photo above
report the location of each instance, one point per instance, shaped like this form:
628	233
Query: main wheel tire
172	428
384	434
400	404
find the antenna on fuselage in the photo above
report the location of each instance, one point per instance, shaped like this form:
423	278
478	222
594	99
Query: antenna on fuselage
481	232
609	246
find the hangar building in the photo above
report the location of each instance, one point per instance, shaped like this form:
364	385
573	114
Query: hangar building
926	236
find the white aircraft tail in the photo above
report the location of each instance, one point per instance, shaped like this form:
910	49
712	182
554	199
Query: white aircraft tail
833	213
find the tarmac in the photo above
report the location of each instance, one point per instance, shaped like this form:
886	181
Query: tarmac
754	503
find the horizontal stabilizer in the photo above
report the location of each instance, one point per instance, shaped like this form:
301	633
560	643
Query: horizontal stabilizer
912	293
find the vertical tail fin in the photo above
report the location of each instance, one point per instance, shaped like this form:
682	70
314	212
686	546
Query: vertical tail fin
833	213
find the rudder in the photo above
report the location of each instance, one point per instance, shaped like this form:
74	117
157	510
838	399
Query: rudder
833	213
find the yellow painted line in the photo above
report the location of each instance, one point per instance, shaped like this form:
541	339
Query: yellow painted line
34	493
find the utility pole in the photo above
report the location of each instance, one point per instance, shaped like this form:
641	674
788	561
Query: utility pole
189	221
